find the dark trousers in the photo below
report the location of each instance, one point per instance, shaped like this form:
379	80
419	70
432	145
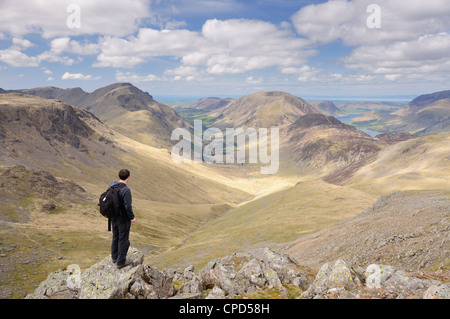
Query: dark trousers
120	240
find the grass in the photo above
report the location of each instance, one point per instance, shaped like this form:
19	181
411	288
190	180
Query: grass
417	164
276	218
33	254
191	114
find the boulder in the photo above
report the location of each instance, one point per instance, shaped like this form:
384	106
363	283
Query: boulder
376	275
254	273
159	281
221	272
396	282
441	291
195	285
216	293
333	278
105	281
54	287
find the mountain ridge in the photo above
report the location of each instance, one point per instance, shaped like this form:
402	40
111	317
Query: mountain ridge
123	107
264	109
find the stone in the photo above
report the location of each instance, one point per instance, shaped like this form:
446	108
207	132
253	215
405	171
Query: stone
253	272
441	291
161	283
330	277
216	293
195	285
105	281
376	275
54	287
189	272
142	290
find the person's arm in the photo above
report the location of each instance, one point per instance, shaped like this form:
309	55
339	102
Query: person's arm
127	202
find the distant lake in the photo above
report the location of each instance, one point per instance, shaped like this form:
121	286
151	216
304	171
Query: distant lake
348	120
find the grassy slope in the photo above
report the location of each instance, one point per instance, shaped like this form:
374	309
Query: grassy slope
417	164
304	208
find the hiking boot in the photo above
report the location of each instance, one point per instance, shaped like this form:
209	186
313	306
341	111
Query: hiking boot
127	263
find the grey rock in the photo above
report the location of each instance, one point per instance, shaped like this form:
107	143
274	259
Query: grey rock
332	278
253	272
195	285
54	287
189	272
216	293
441	291
161	283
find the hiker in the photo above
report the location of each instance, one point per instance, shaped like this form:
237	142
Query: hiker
121	225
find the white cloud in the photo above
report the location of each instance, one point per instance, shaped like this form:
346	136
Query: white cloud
47	71
135	78
64	44
253	80
21	43
413	39
347	20
49	17
16	58
222	47
307	73
392	77
78	76
426	55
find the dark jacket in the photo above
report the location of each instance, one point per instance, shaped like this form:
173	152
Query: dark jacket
125	195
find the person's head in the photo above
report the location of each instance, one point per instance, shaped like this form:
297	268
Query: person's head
124	174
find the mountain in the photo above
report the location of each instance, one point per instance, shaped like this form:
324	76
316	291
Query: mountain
402	229
427	99
327	108
264	110
322	143
211	103
123	107
426	114
414	164
37	132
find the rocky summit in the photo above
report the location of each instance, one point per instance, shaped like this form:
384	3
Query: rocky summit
261	273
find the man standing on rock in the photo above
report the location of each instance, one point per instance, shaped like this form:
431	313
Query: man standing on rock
121	225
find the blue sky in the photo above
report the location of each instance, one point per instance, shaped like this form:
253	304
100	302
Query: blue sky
229	48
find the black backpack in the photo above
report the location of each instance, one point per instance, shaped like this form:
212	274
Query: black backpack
110	204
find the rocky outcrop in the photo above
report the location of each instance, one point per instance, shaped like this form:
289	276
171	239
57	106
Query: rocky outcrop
104	281
261	273
340	281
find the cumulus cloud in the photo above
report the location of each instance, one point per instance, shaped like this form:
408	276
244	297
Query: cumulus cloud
16	58
222	47
78	76
135	78
427	55
347	21
413	38
49	17
65	44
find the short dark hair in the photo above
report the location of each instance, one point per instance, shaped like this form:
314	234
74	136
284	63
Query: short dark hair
124	174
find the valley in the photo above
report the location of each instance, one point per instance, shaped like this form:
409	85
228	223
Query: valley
60	149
